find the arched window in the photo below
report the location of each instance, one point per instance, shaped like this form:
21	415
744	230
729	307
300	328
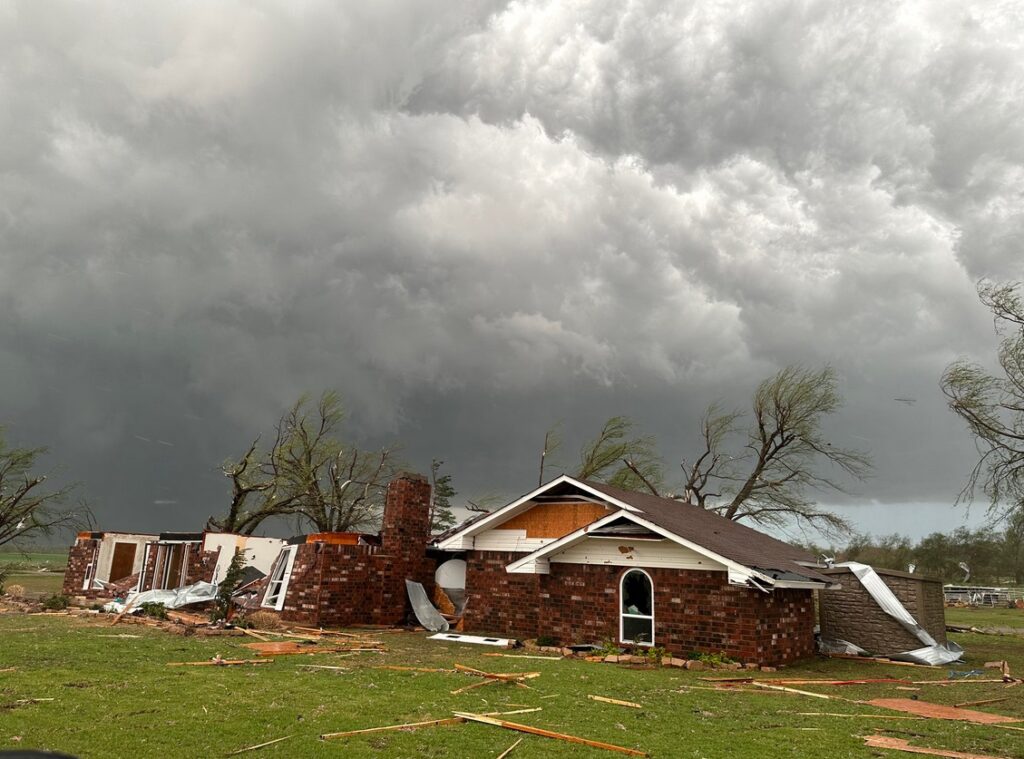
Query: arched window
636	617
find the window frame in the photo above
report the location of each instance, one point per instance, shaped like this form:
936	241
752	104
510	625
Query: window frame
272	600
623	615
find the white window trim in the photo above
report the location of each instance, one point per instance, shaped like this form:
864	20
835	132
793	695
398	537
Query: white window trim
623	615
286	576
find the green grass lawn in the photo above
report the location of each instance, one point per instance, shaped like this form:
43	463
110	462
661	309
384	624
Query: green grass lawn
115	697
980	616
40	574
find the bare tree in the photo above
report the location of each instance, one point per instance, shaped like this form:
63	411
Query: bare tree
308	473
619	458
766	482
26	507
333	486
993	406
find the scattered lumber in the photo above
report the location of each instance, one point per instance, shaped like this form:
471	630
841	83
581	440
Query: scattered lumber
480	684
416	725
510	749
396	668
487	720
865	716
512	677
254	634
321	631
218	662
258	746
296	647
324	666
187	617
899	744
939	711
527	656
803	681
794	690
617	702
878	660
981	703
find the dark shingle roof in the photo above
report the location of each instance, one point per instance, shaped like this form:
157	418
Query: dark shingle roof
725	537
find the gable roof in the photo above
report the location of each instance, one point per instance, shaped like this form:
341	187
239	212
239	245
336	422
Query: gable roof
721	537
725	537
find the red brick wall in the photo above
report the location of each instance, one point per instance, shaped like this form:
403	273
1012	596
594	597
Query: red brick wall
337	585
79	557
693	610
201	565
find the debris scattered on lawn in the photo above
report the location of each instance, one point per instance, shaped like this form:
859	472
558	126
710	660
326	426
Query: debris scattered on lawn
794	690
939	711
476	639
508	677
617	702
258	746
981	703
425	612
324	666
217	661
899	744
397	668
488	720
527	656
865	716
457	720
298	647
510	749
802	681
878	660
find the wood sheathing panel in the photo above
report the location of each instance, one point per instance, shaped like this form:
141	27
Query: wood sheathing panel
553	520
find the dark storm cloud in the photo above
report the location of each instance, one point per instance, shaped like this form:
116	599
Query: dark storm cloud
476	219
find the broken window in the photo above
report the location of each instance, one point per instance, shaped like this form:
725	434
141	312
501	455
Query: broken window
277	586
636	621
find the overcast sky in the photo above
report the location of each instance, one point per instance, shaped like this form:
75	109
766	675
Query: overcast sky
474	219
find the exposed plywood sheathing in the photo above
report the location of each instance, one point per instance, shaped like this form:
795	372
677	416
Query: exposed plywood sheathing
940	711
553	520
335	538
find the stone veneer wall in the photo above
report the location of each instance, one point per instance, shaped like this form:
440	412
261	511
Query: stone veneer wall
337	585
693	610
850	613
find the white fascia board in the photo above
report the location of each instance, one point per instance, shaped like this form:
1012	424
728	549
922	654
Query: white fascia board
803	584
520	565
458	540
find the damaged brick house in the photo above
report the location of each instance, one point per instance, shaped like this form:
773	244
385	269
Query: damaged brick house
101	564
586	562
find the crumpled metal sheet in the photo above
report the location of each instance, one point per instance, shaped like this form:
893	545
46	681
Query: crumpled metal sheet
933	652
196	593
839	646
425	612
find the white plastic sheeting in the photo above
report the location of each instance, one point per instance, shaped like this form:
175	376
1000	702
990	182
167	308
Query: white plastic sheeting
172	599
932	652
425	612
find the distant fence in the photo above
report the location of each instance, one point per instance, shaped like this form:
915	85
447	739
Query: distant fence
981	595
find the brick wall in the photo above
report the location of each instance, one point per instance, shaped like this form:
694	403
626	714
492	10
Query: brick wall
850	613
201	565
79	557
693	610
337	585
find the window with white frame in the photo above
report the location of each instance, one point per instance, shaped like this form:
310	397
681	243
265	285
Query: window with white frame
277	586
636	619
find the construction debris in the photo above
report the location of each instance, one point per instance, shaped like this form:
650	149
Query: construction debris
794	690
258	746
510	749
899	744
297	647
939	711
459	638
615	701
548	733
457	720
981	703
218	662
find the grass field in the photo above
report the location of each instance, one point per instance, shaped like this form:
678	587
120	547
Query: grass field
41	574
985	617
115	696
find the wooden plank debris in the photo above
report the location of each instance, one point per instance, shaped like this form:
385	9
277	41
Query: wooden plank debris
878	660
295	647
254	634
218	662
527	656
416	725
396	668
864	716
899	744
981	703
617	702
324	666
939	711
506	676
487	720
510	749
794	690
803	681
258	746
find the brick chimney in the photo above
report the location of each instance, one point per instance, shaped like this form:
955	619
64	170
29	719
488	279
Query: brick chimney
406	527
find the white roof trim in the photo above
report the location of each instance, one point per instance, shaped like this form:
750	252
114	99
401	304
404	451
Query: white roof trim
509	511
541	554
